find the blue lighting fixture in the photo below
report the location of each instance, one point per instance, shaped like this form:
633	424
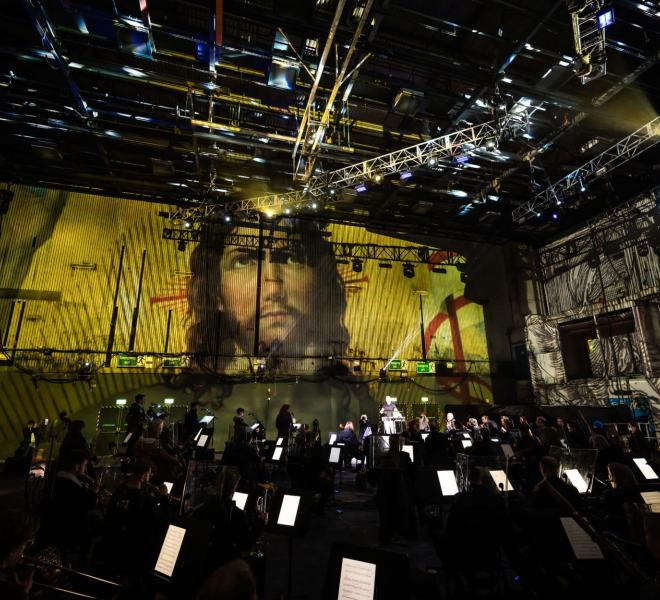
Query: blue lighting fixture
360	188
605	19
406	175
463	158
555	216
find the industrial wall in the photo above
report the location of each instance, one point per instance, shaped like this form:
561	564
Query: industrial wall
598	342
91	294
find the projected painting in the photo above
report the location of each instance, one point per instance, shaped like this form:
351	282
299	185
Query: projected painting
91	280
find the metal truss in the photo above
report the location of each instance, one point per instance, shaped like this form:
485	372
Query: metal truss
327	188
442	148
615	156
631	224
341	250
589	42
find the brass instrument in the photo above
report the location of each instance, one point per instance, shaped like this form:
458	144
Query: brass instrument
153	491
88	481
49	566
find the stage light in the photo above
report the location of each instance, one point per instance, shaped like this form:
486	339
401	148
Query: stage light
314	205
383	373
228	218
439	269
169	400
287	211
332	191
181	247
188	224
121	402
463	158
378	177
555	216
408	271
605	19
425	399
406	175
360	188
385	265
357	266
433	162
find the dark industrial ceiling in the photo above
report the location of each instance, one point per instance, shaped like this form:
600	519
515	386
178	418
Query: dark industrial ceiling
180	102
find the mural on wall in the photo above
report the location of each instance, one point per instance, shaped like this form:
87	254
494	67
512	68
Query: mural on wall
85	280
601	285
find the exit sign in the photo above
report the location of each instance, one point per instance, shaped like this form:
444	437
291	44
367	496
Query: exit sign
180	361
425	367
398	365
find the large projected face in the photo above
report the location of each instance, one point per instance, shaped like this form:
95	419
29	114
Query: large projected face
292	303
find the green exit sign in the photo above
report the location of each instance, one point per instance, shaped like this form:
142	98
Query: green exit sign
176	362
425	367
124	360
398	365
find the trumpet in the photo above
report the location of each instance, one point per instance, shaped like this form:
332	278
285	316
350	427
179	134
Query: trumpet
88	482
154	491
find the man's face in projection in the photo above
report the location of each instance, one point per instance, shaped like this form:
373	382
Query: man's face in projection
288	285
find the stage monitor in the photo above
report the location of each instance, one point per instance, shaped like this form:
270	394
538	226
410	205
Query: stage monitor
448	485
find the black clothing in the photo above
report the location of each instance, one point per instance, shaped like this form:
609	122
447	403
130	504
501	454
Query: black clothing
135	418
283	423
191	424
450	427
479	448
492	428
543	498
64	517
438	448
363	429
28	432
347	436
614	499
638	442
71	443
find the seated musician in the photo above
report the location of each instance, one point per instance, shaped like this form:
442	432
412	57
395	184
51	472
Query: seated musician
136	521
17	532
542	497
73	440
348	437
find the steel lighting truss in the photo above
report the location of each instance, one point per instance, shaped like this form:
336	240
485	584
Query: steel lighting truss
341	250
327	188
589	40
615	156
631	224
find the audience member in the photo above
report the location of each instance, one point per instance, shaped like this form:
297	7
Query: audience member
232	581
17	532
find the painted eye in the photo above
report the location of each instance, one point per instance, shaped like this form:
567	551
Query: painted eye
295	259
242	262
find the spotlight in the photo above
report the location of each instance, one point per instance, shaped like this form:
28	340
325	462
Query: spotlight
605	19
357	266
385	265
555	216
439	269
360	188
378	177
188	224
228	218
332	191
433	162
408	271
182	246
383	373
287	211
86	367
405	175
314	205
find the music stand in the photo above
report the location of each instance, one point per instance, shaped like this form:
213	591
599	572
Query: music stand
289	517
182	556
381	575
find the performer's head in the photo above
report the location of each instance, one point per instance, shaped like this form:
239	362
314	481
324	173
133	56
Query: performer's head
285	408
240	412
450	417
140	399
388	400
194	405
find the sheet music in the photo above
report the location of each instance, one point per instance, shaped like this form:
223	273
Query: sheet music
199	432
448	483
357	580
500	478
583	546
335	453
645	468
241	499
508	451
651	497
169	552
277	453
410	450
288	511
577	480
279	441
202	440
466	443
168	485
333	438
424	436
128	437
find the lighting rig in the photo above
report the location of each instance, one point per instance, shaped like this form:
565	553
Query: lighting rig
626	149
589	22
328	188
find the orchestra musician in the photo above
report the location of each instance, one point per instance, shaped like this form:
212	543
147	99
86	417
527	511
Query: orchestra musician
450	424
424	426
283	422
191	422
135	419
17	533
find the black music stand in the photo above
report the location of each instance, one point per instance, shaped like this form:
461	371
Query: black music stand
291	522
181	562
386	573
